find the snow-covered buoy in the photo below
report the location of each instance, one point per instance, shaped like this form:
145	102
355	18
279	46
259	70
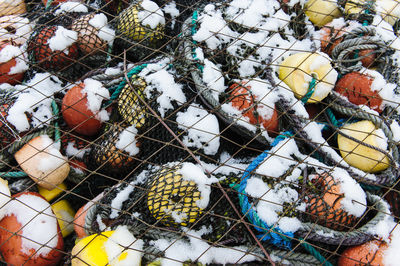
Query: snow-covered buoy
142	21
53	47
93	33
12	64
298	71
327	203
81	107
29	232
43	162
178	196
246	102
117	247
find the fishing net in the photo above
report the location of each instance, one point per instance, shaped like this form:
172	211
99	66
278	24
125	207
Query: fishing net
160	132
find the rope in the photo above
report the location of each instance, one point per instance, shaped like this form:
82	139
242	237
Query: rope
117	90
11	175
310	91
18	144
361	38
273	235
295	258
57	134
193	31
310	249
4	160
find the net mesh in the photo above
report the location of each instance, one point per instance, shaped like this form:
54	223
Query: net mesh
181	132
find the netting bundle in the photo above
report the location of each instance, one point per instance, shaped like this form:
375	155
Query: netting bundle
177	132
297	194
72	41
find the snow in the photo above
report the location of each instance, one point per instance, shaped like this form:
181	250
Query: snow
53	158
395	128
35	98
196	249
95	94
8	53
383	228
192	172
71	7
99	22
354	200
159	79
72	151
289	224
281	161
151	15
39	224
127	141
5	196
123	249
213	29
21	25
391	255
202	129
62	39
212	76
123	195
171	10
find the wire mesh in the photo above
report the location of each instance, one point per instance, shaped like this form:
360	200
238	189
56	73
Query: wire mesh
181	132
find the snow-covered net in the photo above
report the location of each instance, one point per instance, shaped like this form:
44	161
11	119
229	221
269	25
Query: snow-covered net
180	132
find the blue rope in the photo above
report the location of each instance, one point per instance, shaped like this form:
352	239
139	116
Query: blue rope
271	234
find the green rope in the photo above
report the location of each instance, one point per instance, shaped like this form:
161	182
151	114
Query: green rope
315	253
194	20
310	91
57	134
9	175
117	89
332	117
48	4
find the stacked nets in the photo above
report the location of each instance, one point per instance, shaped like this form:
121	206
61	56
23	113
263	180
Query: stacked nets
154	132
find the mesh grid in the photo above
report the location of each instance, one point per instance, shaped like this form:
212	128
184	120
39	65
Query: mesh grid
158	132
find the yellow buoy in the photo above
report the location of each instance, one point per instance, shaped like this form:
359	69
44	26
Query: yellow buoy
358	155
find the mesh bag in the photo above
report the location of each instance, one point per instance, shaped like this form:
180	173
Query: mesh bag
140	40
